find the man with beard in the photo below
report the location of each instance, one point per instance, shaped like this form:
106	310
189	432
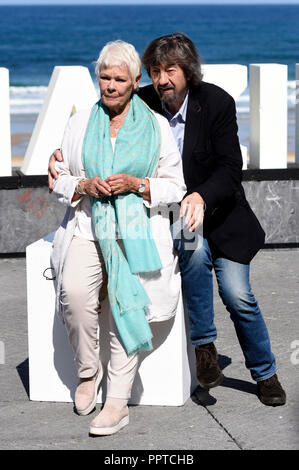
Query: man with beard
202	117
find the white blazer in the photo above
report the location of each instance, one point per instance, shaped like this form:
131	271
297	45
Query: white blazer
166	187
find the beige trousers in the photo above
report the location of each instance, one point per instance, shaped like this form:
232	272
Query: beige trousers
84	276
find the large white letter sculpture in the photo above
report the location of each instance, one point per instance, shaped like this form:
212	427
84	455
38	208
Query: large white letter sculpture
69	87
268	115
233	79
5	160
297	116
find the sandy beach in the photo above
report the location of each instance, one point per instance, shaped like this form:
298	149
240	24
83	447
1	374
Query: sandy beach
22	126
19	140
22	139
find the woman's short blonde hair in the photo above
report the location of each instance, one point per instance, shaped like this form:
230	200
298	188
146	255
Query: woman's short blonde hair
119	53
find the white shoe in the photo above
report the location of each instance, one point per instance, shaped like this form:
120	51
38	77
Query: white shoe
87	393
106	424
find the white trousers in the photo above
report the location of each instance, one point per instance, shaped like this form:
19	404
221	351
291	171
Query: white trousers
83	282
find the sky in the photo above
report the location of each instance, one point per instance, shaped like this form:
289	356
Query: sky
140	2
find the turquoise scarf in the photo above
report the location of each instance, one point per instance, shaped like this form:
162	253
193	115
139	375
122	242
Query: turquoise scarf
124	216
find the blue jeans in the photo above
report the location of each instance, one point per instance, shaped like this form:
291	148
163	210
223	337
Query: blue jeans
234	289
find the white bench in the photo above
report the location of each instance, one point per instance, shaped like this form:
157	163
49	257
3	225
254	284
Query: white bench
166	375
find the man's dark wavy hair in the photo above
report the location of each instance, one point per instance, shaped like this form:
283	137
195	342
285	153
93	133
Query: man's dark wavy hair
175	48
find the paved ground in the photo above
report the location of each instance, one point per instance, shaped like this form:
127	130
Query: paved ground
230	417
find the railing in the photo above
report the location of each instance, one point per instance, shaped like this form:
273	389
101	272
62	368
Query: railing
72	88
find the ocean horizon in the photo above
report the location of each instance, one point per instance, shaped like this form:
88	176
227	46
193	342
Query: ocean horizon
34	39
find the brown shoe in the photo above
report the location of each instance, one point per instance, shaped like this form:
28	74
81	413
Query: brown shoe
270	392
208	371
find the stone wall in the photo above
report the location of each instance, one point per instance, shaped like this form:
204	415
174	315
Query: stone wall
274	197
28	212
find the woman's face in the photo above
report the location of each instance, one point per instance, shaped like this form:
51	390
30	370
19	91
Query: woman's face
116	87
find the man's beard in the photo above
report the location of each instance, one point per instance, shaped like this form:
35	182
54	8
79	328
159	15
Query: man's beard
167	97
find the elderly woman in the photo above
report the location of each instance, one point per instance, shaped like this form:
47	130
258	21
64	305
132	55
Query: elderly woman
121	168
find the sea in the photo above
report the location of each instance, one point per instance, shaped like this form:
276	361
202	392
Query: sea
34	39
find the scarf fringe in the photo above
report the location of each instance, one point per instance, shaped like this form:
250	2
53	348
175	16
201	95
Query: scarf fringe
145	346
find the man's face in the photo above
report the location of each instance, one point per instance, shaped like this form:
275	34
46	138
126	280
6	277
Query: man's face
170	83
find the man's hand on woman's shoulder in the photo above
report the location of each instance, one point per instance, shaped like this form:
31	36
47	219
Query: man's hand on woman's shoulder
52	173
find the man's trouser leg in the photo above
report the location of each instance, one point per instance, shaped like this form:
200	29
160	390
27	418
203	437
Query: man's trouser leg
197	280
236	294
235	291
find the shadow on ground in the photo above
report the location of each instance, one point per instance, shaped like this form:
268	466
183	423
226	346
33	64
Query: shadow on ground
23	371
202	397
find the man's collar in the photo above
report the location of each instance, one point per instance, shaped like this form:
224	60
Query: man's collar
181	112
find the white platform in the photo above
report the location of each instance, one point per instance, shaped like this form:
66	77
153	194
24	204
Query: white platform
166	375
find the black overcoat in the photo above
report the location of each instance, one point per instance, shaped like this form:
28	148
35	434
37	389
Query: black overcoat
212	166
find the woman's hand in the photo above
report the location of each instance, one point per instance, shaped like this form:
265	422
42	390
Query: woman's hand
96	187
123	183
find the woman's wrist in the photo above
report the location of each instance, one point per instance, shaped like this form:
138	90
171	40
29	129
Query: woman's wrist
147	190
80	187
142	187
83	182
136	184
